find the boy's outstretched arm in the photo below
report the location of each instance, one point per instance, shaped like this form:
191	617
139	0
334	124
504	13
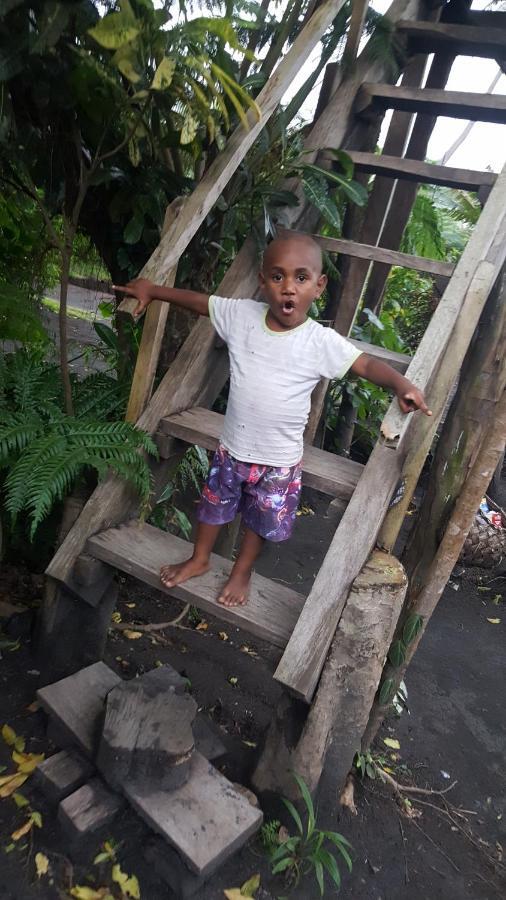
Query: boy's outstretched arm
145	291
380	373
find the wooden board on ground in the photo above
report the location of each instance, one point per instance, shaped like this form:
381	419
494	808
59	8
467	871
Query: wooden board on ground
87	810
420	172
462	40
77	703
375	98
381	254
62	774
140	550
323	471
206	819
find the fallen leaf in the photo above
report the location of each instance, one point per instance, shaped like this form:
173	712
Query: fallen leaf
202	626
116	617
11	783
392	742
388	769
41	864
233	894
233	680
245	649
16	835
497	599
37	818
87	893
19	800
131	605
249	744
223	635
129	884
33	706
27	762
248	889
132	635
9	848
493	621
9	735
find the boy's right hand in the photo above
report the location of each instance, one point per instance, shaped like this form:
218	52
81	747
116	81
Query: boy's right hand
141	289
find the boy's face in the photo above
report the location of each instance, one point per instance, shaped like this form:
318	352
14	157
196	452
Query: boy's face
291	279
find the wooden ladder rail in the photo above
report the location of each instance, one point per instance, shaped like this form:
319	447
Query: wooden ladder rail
432	368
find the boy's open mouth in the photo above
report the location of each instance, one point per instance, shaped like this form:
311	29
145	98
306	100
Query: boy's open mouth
288	307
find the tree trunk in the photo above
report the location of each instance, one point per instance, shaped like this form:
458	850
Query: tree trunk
66	254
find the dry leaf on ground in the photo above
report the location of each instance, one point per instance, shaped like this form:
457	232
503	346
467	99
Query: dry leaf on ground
41	864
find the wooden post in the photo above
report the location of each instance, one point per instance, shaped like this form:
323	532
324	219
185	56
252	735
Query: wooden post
358	13
340	709
439	571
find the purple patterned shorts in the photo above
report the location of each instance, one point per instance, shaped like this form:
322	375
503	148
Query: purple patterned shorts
267	497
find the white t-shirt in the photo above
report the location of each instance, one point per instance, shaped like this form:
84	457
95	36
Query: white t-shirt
272	375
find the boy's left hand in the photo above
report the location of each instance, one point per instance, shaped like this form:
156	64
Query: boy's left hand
412	398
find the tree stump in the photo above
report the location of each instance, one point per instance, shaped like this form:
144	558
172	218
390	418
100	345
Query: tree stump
147	738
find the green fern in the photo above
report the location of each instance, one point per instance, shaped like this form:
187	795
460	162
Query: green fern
43	452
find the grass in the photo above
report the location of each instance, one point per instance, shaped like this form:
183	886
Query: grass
72	311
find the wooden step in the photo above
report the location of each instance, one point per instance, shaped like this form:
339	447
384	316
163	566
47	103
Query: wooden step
381	254
141	550
375	98
323	471
486	18
462	40
420	172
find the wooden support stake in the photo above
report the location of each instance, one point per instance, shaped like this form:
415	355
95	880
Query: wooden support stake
340	709
358	13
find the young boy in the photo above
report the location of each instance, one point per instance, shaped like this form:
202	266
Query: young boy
277	356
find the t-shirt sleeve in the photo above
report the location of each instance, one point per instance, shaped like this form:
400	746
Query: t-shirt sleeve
337	354
223	312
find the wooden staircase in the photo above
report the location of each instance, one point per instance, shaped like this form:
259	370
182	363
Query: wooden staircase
379	492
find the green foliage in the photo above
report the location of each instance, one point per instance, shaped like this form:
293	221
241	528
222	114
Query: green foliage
269	835
43	451
311	849
365	764
190	473
409	631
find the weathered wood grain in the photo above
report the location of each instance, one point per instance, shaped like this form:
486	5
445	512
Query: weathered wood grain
206	819
141	550
323	471
374	98
381	254
61	775
87	810
77	704
420	172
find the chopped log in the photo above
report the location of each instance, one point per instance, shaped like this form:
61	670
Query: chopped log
340	709
62	774
147	738
77	704
206	819
454	319
420	172
88	810
375	98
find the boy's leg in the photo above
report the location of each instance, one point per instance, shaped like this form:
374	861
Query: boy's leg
235	592
198	563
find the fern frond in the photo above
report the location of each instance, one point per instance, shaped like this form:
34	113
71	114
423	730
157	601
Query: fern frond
15	434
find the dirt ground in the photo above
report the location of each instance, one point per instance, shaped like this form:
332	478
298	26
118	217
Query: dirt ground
455	731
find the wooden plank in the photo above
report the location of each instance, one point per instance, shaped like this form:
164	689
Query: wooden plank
399	361
461	40
375	98
61	775
77	704
454	320
89	809
420	172
206	819
323	471
380	254
358	13
141	550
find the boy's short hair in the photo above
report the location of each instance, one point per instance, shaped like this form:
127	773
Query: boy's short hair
302	239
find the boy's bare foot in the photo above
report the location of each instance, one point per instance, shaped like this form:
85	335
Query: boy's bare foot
172	575
236	590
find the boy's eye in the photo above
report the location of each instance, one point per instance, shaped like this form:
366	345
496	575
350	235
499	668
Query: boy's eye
302	278
277	277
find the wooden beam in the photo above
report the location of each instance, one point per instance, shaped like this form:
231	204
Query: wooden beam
435	365
381	254
358	13
420	172
462	40
375	98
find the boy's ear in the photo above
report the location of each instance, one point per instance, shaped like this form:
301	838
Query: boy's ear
322	283
261	278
